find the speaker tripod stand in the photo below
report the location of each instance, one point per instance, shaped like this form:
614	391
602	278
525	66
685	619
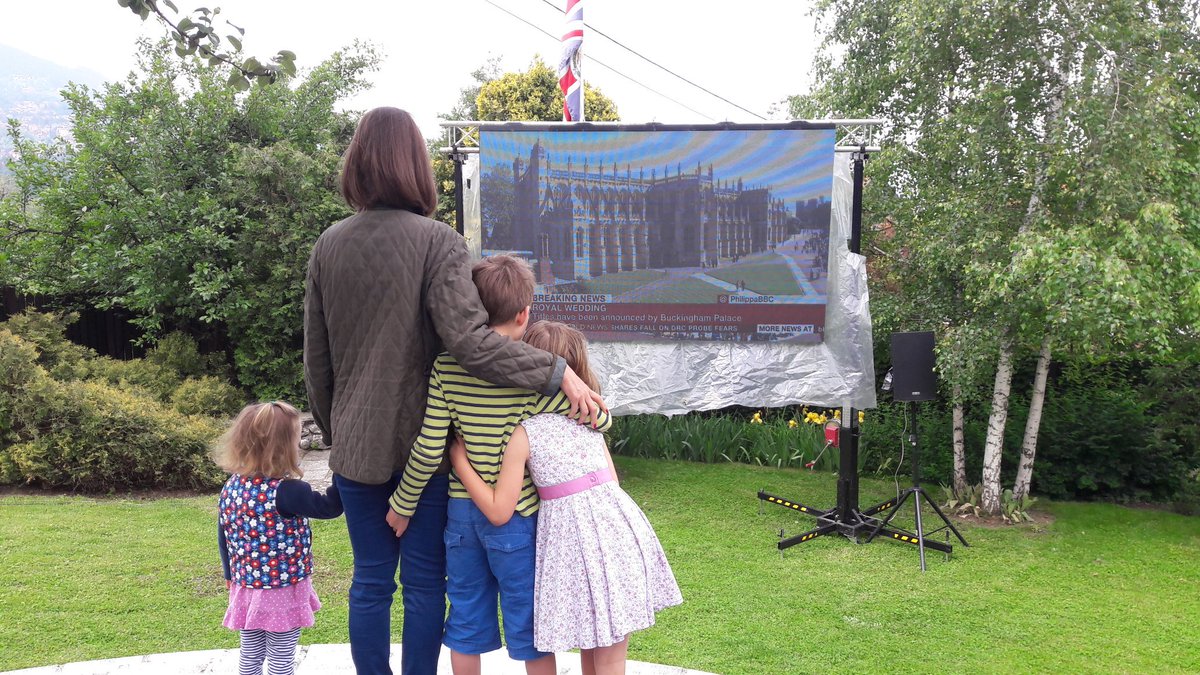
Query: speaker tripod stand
916	492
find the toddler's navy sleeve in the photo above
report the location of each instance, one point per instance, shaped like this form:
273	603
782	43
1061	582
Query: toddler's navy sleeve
224	550
296	498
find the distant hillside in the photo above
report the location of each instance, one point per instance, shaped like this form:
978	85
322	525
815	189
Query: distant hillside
29	92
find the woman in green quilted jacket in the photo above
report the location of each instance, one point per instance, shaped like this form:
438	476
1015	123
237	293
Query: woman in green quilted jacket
387	290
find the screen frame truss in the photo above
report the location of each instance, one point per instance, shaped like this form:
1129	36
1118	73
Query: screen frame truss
852	135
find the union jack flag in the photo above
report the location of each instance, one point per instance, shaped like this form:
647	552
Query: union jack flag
569	75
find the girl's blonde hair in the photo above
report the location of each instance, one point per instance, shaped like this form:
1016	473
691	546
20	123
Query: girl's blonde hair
264	440
559	338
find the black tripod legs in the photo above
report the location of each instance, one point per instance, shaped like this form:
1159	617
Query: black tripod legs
946	520
918	538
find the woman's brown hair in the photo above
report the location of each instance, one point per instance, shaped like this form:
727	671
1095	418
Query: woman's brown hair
387	165
264	440
561	339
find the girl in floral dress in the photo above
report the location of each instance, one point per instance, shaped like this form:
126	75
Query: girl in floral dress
264	538
601	572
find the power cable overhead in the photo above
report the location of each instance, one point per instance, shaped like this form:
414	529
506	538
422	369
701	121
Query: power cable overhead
658	65
601	63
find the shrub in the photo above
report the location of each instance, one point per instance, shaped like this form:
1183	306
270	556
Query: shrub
207	395
772	438
1174	392
1187	501
95	437
48	333
19	374
42	405
74	420
271	370
180	353
884	440
140	376
1101	442
18	367
653	436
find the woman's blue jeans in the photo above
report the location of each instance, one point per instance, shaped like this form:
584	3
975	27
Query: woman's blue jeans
421	556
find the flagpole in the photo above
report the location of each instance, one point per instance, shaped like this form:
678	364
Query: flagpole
570	75
582	86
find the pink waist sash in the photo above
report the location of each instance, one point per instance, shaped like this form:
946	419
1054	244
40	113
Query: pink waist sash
575	485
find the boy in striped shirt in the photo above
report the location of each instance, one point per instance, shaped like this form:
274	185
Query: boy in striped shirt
484	561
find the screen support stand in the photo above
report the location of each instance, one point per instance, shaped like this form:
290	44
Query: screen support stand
459	157
846	518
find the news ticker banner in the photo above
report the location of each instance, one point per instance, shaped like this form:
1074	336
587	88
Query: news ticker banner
601	318
657	233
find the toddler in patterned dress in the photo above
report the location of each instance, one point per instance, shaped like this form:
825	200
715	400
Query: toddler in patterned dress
264	538
600	573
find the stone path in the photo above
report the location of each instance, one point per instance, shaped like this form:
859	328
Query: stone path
315	464
310	660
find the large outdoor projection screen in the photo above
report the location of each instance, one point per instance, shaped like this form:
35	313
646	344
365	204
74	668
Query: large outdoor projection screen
706	264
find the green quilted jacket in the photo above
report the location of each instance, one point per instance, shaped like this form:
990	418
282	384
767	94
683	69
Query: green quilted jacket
387	291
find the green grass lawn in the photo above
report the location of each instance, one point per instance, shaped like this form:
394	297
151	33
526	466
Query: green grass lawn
1100	589
620	282
769	278
687	290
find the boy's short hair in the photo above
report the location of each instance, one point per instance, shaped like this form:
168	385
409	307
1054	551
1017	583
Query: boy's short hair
505	284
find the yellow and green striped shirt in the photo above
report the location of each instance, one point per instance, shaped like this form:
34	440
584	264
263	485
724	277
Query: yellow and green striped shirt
485	414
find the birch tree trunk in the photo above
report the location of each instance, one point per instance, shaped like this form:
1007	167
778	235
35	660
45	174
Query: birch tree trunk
993	448
1033	424
960	446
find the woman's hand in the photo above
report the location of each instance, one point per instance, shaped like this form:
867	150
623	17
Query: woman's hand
585	403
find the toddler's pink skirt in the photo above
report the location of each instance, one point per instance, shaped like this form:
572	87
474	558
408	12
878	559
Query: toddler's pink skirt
273	609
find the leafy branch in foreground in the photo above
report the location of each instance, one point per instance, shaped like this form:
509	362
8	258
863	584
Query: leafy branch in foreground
197	34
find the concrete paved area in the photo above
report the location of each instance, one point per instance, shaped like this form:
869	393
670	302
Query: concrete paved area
310	660
315	464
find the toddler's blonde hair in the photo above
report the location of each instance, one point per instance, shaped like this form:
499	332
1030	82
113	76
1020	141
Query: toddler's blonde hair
264	440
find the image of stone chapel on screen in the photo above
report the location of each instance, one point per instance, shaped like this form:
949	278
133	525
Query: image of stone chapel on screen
651	235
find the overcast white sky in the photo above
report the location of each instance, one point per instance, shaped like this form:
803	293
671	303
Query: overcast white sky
753	52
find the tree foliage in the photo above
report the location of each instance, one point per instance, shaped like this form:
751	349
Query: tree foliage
529	96
534	96
986	99
197	34
1040	165
188	202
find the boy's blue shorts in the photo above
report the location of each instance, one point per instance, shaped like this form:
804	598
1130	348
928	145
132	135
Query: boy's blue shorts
482	562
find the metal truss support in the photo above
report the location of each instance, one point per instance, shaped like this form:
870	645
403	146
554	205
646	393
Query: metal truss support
851	135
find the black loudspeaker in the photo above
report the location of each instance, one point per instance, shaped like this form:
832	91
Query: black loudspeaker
912	367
